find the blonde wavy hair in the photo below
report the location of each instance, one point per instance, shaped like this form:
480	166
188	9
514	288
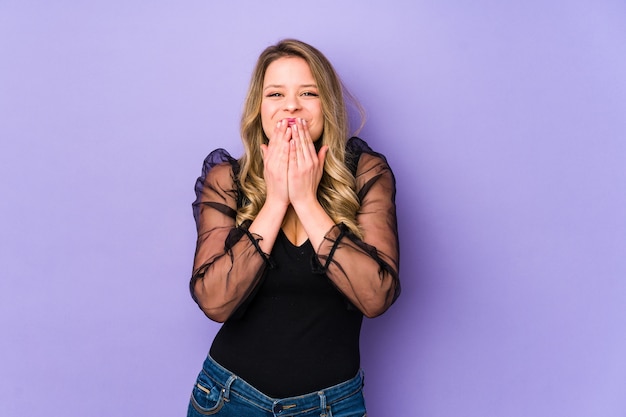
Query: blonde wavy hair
336	191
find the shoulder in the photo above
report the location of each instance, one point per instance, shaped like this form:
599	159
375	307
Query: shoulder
361	158
219	159
219	167
370	169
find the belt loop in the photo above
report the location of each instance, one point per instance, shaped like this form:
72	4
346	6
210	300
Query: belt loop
322	404
226	389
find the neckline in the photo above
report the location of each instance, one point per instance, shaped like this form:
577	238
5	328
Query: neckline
293	245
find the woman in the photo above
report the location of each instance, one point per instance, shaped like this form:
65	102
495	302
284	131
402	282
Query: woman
297	240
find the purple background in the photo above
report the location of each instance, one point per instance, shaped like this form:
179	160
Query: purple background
505	123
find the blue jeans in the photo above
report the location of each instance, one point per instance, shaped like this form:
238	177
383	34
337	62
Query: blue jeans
221	393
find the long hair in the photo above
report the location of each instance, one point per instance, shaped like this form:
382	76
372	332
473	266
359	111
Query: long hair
336	191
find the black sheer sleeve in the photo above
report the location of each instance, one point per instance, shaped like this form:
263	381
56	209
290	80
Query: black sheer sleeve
366	270
228	262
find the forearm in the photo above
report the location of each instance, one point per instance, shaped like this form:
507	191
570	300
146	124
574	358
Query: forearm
223	280
315	221
267	224
366	276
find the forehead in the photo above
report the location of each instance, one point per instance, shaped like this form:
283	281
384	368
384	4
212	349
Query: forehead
286	70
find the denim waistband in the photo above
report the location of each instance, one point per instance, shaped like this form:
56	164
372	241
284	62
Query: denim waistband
233	385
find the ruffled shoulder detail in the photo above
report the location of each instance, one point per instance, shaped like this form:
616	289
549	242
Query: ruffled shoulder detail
354	149
216	158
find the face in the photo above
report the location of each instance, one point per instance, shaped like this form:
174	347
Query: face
290	91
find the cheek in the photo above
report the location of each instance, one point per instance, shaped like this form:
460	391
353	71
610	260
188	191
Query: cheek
265	113
266	119
318	127
316	130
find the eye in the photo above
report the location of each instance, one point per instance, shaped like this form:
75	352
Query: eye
310	94
273	95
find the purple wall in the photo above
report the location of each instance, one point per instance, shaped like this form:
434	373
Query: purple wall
505	125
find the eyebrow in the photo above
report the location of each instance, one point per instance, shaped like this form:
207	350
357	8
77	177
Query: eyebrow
282	86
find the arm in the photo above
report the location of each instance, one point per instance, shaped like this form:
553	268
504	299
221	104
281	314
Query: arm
228	262
366	270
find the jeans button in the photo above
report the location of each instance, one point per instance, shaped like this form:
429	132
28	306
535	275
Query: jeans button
278	408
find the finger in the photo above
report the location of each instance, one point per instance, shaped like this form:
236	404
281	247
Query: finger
306	132
322	154
281	131
307	141
297	142
285	148
293	156
308	147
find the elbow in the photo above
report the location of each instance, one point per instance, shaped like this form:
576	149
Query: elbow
378	302
211	307
374	310
218	316
374	306
218	313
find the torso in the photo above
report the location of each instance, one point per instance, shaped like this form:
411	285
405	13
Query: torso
296	334
292	228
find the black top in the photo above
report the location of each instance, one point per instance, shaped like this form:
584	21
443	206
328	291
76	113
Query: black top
297	334
293	317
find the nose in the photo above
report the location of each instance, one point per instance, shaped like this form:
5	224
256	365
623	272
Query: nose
292	104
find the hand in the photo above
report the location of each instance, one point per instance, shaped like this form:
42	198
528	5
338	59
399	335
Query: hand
276	163
305	167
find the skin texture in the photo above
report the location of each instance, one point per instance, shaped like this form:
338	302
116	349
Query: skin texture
291	115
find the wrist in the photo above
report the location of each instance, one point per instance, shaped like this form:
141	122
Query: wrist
312	212
275	208
276	204
306	203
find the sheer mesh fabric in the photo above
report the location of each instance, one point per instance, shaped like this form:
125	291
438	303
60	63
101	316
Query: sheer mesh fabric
229	264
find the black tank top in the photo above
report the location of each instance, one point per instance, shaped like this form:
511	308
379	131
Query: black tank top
298	333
